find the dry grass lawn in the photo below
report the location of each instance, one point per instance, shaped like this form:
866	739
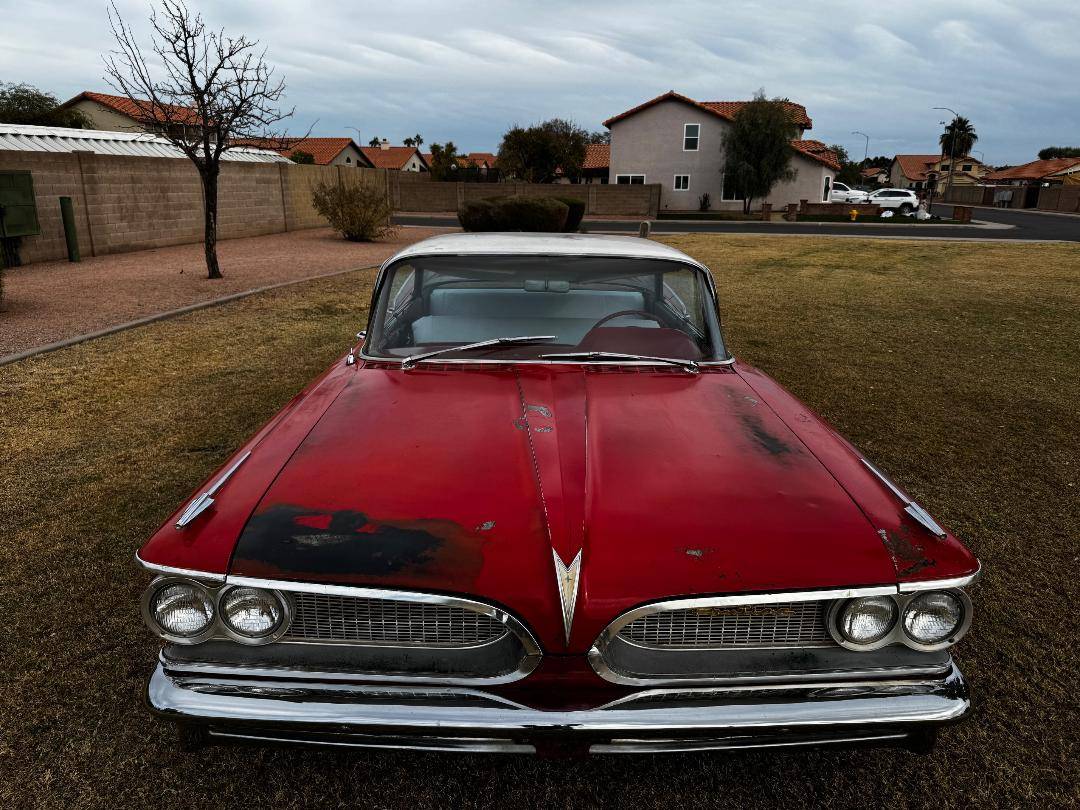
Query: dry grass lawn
954	365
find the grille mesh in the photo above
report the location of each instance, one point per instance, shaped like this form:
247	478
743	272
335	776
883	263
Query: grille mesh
782	624
327	617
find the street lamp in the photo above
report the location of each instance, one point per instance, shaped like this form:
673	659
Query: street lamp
866	150
952	149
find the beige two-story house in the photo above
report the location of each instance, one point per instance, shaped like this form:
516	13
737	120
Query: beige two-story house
676	142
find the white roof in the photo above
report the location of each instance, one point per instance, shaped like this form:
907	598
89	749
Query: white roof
26	138
543	244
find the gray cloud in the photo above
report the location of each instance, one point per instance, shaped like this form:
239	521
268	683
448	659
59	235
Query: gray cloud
466	72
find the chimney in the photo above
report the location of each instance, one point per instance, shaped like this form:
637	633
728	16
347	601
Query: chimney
384	144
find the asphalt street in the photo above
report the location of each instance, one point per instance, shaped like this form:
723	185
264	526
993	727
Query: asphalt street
1012	225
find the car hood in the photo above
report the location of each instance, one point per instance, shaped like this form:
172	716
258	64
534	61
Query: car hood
470	479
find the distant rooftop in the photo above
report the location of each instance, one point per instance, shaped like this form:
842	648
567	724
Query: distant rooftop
26	138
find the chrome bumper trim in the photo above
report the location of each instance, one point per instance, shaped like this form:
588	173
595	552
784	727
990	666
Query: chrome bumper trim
469	719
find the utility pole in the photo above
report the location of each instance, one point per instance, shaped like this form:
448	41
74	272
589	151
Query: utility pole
866	149
952	150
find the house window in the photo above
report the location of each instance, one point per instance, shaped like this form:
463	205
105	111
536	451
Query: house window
630	179
944	167
825	193
690	137
966	167
682	182
729	190
348	160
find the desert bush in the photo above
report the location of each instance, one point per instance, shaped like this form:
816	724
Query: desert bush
478	216
358	212
539	215
575	214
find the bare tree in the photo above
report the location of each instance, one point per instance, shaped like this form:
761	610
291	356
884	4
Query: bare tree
210	93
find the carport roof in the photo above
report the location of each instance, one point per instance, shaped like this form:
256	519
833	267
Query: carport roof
26	138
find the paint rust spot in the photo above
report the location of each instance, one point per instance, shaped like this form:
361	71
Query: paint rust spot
486	526
543	410
908	556
289	541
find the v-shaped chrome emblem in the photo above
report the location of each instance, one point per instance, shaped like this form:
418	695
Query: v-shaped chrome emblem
566	576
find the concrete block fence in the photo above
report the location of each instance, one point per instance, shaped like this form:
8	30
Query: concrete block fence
127	203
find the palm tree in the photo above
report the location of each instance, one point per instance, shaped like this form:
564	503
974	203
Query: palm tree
958	138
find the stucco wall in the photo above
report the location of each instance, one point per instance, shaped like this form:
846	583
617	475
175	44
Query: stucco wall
651	143
105	118
350	156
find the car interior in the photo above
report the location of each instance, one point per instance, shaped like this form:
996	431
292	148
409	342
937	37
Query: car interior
587	304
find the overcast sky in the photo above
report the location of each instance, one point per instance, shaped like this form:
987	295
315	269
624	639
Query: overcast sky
464	72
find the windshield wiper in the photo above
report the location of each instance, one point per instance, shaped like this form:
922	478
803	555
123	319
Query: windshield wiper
412	360
688	365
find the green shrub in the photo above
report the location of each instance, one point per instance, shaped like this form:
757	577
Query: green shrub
478	216
538	215
358	212
574	217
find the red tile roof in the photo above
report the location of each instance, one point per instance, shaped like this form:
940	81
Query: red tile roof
722	109
915	167
871	171
1036	170
324	150
478	158
392	157
597	156
141	111
816	150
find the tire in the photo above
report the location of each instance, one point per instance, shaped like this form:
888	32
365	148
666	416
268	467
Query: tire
906	208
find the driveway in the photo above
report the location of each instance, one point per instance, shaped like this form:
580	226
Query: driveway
1011	225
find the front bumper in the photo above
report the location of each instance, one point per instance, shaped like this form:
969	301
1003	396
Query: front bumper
280	709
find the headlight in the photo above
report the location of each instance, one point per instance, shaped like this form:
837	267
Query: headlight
252	614
867	620
182	611
933	617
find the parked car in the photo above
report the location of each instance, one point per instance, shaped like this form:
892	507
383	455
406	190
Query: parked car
903	200
841	192
541	507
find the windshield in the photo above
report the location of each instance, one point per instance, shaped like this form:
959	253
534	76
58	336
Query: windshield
586	304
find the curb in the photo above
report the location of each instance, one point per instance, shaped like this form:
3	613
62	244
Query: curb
162	316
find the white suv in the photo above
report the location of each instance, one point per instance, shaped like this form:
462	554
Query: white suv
843	193
903	199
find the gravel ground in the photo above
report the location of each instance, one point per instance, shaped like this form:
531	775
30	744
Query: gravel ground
52	301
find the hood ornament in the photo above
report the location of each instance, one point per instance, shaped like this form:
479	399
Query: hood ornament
204	501
566	577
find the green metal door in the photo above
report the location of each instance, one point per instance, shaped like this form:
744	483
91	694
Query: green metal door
18	211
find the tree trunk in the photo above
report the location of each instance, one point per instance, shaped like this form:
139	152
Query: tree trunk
210	209
746	205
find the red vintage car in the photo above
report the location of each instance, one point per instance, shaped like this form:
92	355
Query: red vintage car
540	507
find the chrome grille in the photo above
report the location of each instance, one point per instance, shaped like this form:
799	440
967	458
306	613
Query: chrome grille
328	617
782	624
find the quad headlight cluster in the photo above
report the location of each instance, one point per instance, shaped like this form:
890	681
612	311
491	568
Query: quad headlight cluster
930	620
187	612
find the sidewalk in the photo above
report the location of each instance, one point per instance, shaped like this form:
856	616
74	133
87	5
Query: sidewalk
54	301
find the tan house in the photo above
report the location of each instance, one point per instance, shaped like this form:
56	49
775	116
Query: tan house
676	142
1051	172
121	114
399	158
914	171
325	151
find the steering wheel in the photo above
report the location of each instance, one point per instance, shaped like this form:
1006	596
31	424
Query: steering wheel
615	315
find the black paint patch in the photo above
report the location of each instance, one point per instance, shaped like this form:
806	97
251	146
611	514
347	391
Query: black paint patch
345	544
771	444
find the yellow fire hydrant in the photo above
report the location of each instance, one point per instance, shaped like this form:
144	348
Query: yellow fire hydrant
854	214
